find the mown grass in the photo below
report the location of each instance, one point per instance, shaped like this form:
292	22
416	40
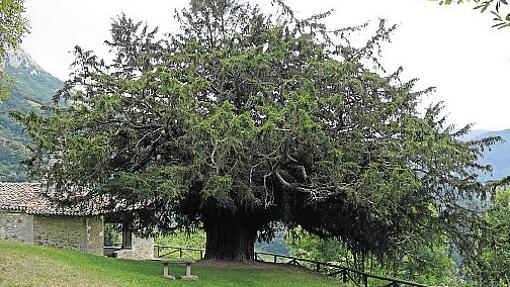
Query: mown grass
27	265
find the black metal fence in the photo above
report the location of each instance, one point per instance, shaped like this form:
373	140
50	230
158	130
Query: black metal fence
345	274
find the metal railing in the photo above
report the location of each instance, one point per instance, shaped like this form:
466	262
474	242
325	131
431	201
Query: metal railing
345	274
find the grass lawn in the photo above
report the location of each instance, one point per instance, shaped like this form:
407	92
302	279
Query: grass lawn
28	265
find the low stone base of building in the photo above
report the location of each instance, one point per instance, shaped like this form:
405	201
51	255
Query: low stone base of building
141	249
83	234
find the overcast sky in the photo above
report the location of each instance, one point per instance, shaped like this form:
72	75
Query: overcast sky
451	48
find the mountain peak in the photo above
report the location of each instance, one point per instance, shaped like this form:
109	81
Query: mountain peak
20	59
31	87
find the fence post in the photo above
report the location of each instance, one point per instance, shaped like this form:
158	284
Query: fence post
344	275
347	274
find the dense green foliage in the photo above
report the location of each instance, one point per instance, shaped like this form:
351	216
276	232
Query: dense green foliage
245	120
429	264
112	234
494	246
12	26
184	239
30	88
28	265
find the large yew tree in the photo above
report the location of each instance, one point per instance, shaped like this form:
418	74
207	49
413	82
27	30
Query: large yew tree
246	119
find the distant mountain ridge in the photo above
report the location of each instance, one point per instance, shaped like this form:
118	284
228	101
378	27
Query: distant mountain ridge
20	59
31	87
498	156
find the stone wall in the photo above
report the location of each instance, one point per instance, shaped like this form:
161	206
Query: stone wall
141	249
60	231
76	233
95	235
17	227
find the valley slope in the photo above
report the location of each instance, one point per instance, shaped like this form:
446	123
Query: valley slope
31	87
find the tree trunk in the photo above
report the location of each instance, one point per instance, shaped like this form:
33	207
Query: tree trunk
229	238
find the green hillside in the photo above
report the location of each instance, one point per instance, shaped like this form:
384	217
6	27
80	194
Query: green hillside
27	265
31	87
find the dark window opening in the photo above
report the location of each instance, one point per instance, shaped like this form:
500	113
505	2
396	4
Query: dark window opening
127	239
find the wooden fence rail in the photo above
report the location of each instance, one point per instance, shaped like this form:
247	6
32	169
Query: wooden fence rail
346	274
182	251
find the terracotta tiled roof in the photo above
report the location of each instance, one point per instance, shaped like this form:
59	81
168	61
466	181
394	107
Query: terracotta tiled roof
32	198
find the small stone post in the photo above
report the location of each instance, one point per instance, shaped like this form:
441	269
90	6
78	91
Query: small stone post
165	270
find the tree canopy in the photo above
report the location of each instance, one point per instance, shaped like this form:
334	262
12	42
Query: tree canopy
246	119
497	8
494	246
12	26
